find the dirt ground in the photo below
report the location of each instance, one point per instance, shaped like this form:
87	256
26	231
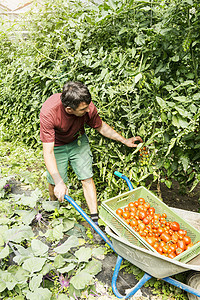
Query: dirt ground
174	197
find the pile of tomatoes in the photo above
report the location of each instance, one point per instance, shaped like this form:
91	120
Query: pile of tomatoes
166	237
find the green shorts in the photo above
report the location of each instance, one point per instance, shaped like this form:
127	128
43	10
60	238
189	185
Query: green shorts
79	155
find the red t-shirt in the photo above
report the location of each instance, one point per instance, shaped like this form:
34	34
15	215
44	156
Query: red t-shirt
57	126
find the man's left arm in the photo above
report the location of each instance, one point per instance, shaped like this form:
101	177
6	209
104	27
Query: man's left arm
109	132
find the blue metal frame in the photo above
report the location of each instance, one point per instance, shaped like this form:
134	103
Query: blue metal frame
146	276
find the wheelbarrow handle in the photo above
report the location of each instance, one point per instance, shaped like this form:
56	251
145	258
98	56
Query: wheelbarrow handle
89	220
120	175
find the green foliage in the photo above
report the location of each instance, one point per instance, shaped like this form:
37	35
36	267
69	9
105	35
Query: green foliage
140	61
31	266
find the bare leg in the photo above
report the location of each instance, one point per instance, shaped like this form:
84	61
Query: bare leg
90	194
51	192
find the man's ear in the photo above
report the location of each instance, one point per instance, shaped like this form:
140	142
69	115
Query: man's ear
69	110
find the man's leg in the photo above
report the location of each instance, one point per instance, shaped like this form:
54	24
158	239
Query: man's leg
90	194
51	192
61	157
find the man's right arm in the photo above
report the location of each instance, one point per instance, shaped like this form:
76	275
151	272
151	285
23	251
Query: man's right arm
60	188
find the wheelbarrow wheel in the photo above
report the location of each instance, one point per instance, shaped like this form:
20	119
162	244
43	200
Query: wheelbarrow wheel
193	280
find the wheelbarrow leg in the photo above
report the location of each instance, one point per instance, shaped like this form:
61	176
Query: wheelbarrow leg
182	286
142	281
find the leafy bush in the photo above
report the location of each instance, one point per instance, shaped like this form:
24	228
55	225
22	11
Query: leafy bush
140	61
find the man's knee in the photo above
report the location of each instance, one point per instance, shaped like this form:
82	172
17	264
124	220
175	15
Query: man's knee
87	181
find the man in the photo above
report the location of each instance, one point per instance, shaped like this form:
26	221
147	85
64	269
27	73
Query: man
62	120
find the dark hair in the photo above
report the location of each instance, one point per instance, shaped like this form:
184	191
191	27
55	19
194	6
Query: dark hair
74	93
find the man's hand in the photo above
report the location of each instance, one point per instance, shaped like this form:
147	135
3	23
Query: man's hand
131	142
60	191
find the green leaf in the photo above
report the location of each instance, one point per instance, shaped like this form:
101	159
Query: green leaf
93	267
81	280
39	294
18	234
112	4
4	252
35	282
68	224
185	162
168	183
25	200
63	297
59	261
9	279
72	241
98	253
171	145
39	248
83	254
175	121
50	205
34	264
138	77
58	232
70	267
161	102
27	216
2	285
181	99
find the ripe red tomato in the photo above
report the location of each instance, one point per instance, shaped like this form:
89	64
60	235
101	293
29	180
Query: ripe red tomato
181	244
175	237
151	210
173	247
141	226
182	232
142	214
165	237
133	223
146	220
151	240
146	205
187	240
172	255
119	212
126	215
133	209
174	226
131	204
132	215
141	201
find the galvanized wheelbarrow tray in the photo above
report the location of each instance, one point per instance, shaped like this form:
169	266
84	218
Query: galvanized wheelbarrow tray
129	246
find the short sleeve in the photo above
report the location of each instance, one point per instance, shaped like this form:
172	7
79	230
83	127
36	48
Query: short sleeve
47	131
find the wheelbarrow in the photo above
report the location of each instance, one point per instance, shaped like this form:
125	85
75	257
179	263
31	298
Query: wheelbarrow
151	262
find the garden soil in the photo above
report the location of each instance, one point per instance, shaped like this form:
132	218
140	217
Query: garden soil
173	198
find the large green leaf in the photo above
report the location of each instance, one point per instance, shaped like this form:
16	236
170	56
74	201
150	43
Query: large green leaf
18	234
83	254
39	294
72	241
4	252
35	282
39	248
81	280
33	264
68	268
93	267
